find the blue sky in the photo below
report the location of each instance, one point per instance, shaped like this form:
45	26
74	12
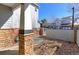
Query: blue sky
52	10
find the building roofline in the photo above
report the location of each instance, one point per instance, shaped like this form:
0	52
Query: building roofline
66	17
35	4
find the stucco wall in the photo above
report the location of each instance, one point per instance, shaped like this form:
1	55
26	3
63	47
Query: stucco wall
28	21
9	18
77	37
34	16
66	35
16	17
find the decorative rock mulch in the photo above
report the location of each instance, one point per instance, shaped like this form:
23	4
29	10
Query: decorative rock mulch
56	47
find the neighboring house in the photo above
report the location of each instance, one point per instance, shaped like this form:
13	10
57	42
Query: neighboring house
54	25
67	22
15	17
57	24
64	23
47	24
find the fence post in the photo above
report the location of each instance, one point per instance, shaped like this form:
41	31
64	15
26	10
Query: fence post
75	35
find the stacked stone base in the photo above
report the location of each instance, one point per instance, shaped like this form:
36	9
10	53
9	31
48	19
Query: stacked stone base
26	44
29	44
7	37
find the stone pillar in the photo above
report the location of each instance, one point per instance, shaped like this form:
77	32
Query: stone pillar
25	40
26	44
75	36
21	32
29	50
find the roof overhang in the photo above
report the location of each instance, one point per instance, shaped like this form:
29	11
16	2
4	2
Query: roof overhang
12	5
35	4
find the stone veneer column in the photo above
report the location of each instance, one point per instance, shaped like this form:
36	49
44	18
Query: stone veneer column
21	32
25	41
29	50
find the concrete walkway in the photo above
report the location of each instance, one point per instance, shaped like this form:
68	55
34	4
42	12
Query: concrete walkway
10	51
38	40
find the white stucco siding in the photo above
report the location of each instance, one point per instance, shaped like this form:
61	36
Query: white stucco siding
34	15
14	20
31	17
16	17
28	20
11	17
37	18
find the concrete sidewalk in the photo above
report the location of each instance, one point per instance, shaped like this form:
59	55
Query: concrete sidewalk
10	51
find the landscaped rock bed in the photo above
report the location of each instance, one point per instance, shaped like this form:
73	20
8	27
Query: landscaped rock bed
56	47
